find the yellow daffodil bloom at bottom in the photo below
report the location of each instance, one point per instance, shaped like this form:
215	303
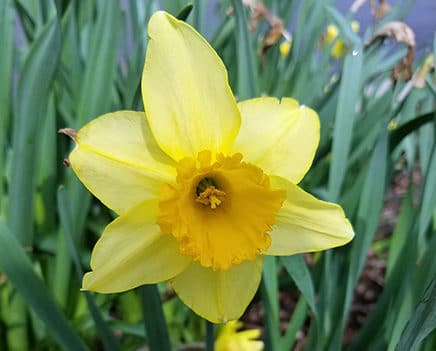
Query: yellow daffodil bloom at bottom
204	187
230	339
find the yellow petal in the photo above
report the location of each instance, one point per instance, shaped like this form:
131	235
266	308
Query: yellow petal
338	49
133	251
230	339
280	137
306	224
219	296
118	160
188	101
332	33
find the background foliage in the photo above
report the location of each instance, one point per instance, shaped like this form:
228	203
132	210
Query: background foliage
63	63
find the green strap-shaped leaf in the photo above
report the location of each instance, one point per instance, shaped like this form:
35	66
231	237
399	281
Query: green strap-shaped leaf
185	12
154	320
106	335
270	294
29	112
296	323
422	323
247	77
18	268
297	269
409	127
349	93
6	61
428	207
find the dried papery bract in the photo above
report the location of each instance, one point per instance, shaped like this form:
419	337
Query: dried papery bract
401	33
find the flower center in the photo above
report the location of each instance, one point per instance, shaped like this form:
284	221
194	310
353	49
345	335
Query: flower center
208	194
219	210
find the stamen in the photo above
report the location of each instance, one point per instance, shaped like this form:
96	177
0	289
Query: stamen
211	196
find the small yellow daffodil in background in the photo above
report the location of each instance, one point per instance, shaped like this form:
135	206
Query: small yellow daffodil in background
285	48
204	187
230	339
332	32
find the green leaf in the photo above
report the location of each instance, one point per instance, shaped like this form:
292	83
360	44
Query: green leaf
106	335
94	98
370	205
17	266
6	61
29	109
422	322
200	13
154	320
185	12
398	134
247	77
428	206
349	92
297	269
297	321
270	293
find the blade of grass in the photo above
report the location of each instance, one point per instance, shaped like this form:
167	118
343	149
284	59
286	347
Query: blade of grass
18	268
106	335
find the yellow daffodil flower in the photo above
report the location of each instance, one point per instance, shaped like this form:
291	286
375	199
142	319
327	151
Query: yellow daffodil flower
285	48
338	49
230	339
204	186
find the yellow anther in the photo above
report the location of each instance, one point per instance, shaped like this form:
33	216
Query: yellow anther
211	196
214	201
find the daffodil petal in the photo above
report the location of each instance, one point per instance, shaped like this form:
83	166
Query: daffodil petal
133	251
306	224
189	104
219	296
279	136
117	159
